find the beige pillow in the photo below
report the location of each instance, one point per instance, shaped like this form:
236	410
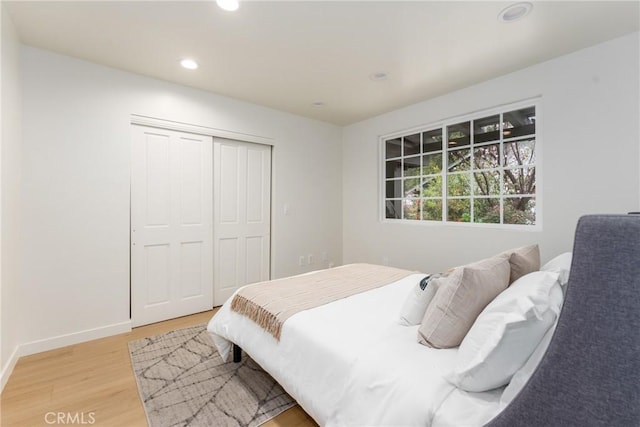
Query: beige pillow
459	300
523	261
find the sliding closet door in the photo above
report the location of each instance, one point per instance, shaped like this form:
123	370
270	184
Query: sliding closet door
171	225
242	215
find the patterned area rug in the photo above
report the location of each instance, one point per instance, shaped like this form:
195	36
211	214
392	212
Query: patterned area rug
183	382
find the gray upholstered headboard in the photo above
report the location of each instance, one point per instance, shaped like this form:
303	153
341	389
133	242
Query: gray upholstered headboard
590	374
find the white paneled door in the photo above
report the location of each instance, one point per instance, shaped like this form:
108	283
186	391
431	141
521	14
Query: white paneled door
171	224
242	215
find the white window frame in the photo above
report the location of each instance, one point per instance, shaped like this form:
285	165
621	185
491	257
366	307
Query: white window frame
442	124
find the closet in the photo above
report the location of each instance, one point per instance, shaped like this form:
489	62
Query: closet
200	221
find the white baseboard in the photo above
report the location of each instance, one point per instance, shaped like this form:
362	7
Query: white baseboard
7	369
60	341
74	338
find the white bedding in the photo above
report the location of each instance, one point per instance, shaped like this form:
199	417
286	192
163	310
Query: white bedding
347	370
465	409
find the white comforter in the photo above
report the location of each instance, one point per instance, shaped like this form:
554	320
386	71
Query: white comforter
349	363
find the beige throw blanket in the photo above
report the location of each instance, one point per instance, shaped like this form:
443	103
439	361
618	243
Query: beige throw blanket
270	303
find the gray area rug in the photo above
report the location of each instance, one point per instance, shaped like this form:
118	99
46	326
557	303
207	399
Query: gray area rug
183	382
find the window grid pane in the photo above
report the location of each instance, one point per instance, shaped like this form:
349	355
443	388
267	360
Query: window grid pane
411	208
458	160
393	148
393	168
432	209
411	144
459	210
487	175
432	186
393	209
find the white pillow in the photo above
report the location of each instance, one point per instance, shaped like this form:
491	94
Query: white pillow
561	265
507	332
416	304
522	375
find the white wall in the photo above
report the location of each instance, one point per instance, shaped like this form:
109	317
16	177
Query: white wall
10	190
589	141
76	169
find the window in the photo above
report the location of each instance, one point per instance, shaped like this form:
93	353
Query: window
478	170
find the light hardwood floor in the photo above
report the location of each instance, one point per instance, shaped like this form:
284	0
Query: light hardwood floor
94	382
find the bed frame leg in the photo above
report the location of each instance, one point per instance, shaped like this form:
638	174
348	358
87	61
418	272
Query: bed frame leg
237	353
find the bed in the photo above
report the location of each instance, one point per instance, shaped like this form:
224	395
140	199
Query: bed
353	361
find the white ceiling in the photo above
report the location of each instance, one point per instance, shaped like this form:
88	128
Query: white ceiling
290	54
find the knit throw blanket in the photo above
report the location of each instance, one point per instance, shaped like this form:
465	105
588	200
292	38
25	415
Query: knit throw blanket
271	303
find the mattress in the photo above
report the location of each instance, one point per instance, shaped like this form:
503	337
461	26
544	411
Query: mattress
351	363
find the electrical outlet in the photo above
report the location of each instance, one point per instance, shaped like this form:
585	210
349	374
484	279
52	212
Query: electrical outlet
301	261
310	259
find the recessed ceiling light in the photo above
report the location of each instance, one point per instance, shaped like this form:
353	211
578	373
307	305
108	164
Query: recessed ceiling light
379	76
515	12
189	64
229	5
